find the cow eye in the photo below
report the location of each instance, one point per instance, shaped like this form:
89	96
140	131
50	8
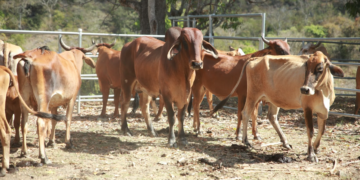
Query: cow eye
320	69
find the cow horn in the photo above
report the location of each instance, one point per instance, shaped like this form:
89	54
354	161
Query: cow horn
63	45
90	48
317	44
285	40
265	40
112	44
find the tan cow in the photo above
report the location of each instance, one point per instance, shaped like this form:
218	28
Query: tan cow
52	81
5	131
292	82
7	52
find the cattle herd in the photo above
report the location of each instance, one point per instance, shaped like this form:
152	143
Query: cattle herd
175	70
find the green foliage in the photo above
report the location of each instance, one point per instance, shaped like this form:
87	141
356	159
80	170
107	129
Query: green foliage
353	7
18	39
315	31
249	49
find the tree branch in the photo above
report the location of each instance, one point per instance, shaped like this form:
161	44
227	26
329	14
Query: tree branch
131	4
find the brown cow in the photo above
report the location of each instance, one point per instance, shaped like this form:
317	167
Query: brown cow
4	125
292	82
107	70
12	107
220	75
166	68
52	81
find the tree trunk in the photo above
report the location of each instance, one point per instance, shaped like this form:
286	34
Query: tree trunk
160	12
144	18
152	17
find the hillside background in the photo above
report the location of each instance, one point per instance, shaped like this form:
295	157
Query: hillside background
284	18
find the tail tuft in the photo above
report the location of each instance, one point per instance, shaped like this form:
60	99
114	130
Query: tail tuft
136	103
55	117
220	105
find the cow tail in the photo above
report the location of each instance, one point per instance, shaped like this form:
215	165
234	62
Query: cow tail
136	103
26	67
222	103
190	105
6	55
36	113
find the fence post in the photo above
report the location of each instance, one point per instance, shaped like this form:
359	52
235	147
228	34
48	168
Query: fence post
59	46
188	21
211	38
261	43
194	23
79	98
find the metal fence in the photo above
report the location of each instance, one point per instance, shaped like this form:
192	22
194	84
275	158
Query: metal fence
80	33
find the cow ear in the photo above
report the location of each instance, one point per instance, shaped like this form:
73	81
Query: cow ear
174	50
21	55
210	49
336	71
94	51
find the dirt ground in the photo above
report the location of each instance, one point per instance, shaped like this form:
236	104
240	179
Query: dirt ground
101	152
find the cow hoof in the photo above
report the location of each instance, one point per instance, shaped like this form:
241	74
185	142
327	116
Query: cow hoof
2	172
287	146
15	145
257	138
183	141
23	154
216	115
12	169
69	146
51	144
153	133
312	158
45	161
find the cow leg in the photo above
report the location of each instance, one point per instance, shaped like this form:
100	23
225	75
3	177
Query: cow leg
105	92
181	117
126	96
153	105
171	119
160	110
52	142
254	122
241	103
41	130
69	111
145	100
246	114
321	120
272	115
198	94
16	142
209	98
310	133
24	129
5	133
116	101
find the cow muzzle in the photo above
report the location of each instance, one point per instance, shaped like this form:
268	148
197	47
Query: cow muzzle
196	65
306	90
